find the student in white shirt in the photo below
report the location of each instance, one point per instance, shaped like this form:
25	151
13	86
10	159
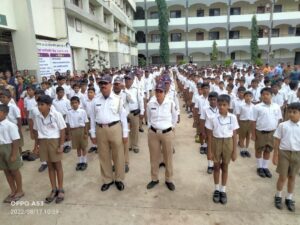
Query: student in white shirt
77	126
29	100
287	156
255	91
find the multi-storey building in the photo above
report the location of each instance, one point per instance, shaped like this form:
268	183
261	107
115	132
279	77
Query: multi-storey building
87	27
195	24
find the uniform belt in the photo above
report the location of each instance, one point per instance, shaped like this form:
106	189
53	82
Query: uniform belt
266	131
135	112
161	131
109	124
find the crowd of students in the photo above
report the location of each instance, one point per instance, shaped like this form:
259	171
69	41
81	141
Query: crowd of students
229	106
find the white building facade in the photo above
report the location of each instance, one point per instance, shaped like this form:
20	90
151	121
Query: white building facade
195	24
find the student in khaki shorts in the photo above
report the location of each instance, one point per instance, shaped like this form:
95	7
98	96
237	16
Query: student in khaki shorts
49	131
287	155
222	141
77	126
266	116
10	160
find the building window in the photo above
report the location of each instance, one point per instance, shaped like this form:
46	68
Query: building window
200	12
234	34
277	8
155	38
298	31
176	37
215	35
260	33
175	14
156	60
92	8
235	11
232	55
214	12
71	21
199	36
105	18
291	31
179	58
78	25
153	15
275	32
77	3
261	9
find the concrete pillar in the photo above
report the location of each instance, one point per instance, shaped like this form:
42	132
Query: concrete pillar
60	19
85	5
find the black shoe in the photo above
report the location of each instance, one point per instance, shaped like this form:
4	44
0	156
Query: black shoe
223	198
152	184
162	164
267	173
242	153
290	204
141	130
113	168
92	149
216	196
105	187
202	150
261	172
278	202
136	150
170	186
210	170
43	167
126	168
83	166
67	149
130	149
247	154
78	166
120	186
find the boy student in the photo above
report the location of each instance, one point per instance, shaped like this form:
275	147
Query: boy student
287	155
207	113
222	145
239	100
77	124
244	114
265	118
49	130
62	105
10	160
29	100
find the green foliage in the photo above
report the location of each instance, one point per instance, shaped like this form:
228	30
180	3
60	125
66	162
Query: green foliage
182	62
259	62
228	62
215	53
142	62
164	50
254	40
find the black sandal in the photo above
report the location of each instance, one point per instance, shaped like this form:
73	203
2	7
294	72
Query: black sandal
59	199
52	196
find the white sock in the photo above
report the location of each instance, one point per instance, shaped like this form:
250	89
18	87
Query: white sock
279	194
79	159
289	196
210	163
242	149
265	164
204	145
84	159
223	188
259	162
44	163
217	187
94	146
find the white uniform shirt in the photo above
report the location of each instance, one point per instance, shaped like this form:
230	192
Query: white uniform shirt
105	111
134	99
14	113
236	103
9	132
35	111
76	118
207	113
172	95
266	116
278	99
202	103
87	106
162	116
49	127
29	103
222	126
62	105
245	111
289	134
256	94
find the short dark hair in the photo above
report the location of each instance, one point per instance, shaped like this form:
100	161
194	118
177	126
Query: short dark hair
39	92
293	84
231	86
91	89
240	89
75	98
294	105
248	93
205	84
58	89
45	99
6	93
266	89
4	108
224	98
213	94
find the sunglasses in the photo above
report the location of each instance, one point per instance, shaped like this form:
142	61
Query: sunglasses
103	83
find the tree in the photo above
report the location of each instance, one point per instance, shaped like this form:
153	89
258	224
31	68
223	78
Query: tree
254	39
214	54
163	15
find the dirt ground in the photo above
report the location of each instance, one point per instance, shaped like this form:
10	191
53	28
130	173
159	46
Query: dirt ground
250	198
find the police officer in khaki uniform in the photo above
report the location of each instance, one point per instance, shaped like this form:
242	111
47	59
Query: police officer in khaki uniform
109	129
162	118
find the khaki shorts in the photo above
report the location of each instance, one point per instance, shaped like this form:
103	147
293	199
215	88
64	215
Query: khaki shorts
48	150
78	140
288	163
5	163
222	150
245	129
264	141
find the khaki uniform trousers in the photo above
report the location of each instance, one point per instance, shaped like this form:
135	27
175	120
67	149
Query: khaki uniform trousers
134	131
161	144
111	148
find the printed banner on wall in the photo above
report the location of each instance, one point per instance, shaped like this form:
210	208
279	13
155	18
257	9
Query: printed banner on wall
54	56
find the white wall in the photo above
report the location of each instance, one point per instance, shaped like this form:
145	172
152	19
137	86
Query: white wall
7	9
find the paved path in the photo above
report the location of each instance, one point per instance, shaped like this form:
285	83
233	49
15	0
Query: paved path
250	198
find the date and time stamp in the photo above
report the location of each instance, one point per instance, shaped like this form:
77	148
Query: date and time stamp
31	208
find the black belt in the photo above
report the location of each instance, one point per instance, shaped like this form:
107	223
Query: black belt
108	125
135	112
161	131
266	131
